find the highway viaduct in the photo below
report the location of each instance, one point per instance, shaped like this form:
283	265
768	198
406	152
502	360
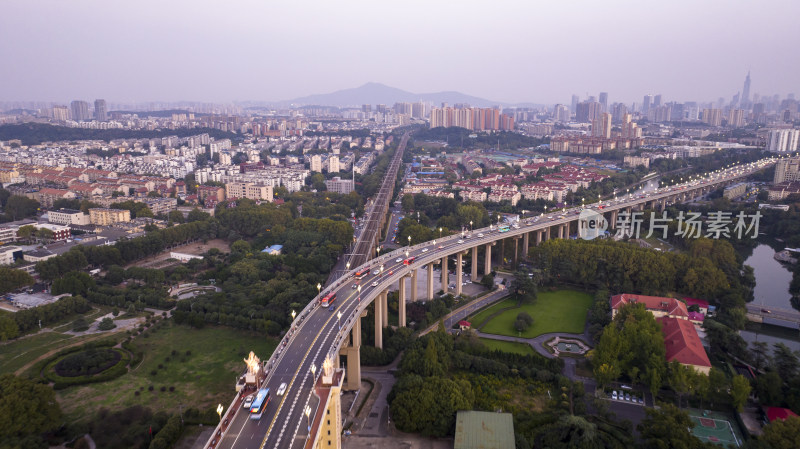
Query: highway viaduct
308	357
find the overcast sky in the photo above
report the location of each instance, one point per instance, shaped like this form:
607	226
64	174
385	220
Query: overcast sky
531	50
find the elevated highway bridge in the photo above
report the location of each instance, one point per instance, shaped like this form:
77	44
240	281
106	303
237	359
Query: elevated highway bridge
319	355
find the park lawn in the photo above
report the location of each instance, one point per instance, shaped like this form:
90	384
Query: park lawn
558	311
204	378
484	314
508	346
17	353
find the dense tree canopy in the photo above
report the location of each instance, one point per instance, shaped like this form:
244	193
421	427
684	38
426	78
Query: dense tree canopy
27	410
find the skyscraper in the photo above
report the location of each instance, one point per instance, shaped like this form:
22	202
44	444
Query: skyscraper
100	110
657	100
604	101
80	110
648	100
601	126
746	90
575	100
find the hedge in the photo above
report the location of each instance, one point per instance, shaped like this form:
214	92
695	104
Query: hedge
168	434
63	382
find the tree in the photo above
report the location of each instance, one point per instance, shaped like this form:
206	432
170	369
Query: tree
523	321
106	324
26	232
12	279
27	409
740	391
197	215
785	361
783	434
525	287
175	216
761	351
18	207
8	327
668	427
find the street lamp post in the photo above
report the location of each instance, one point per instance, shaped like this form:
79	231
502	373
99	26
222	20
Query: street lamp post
440	232
359	292
378	249
314	370
319	288
409	240
339	319
347	265
294	314
470	226
219	411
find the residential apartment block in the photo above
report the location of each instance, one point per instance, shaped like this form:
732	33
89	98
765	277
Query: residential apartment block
107	217
248	190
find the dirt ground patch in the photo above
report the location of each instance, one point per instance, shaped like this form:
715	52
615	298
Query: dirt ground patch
161	259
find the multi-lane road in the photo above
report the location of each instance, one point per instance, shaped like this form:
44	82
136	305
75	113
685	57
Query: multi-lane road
319	332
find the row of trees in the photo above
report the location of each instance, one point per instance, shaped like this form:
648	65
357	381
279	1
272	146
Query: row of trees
27	319
711	269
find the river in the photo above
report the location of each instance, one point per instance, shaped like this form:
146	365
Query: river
772	290
772	278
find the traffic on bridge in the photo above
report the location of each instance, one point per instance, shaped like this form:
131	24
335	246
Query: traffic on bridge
305	375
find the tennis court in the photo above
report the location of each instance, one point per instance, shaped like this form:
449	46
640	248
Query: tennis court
715	427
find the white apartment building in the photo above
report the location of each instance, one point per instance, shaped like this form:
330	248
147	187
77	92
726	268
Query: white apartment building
783	140
248	190
67	217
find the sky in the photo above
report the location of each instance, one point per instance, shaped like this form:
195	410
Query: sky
508	51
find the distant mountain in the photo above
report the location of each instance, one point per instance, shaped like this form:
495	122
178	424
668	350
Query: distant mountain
376	93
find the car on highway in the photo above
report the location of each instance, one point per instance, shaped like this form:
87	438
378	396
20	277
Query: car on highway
282	389
375	284
424	250
354	286
331	307
376	272
480	235
440	246
398	260
248	401
460	241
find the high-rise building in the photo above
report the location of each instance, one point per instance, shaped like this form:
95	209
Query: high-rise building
783	140
561	113
646	103
657	100
575	100
365	108
80	110
629	129
601	126
100	113
618	110
316	163
604	101
333	164
787	170
736	118
60	113
587	111
746	91
712	117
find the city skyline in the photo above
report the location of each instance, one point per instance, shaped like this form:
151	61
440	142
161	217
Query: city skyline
250	52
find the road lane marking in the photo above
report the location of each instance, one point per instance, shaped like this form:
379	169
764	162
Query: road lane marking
300	365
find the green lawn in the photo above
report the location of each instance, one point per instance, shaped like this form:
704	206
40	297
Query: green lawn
481	316
559	311
508	346
17	353
204	378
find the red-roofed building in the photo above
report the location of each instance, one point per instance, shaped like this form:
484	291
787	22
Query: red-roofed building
464	325
657	305
774	413
701	303
683	344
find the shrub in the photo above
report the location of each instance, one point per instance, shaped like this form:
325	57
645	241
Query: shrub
106	324
150	388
